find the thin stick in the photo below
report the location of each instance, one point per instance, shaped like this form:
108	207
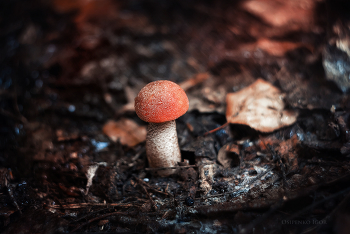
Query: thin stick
83	205
216	129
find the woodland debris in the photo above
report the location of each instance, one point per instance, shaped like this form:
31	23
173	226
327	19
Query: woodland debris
292	14
260	106
228	155
206	176
91	173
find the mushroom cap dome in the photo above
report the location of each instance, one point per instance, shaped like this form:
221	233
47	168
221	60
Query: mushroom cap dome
161	101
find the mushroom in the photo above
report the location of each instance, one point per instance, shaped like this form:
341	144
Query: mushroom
160	103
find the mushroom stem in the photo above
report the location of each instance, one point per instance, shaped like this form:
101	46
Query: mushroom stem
162	147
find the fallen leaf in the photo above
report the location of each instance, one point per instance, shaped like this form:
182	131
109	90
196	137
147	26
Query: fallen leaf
260	106
126	131
209	96
282	13
228	156
279	48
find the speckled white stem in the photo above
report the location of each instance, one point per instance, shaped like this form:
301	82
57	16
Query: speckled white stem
162	147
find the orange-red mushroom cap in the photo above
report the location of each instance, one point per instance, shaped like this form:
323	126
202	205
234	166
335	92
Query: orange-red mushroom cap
161	101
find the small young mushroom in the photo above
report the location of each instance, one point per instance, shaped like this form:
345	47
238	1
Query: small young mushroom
160	103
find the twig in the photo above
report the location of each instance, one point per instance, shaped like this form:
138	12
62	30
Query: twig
148	186
216	129
84	205
147	193
91	214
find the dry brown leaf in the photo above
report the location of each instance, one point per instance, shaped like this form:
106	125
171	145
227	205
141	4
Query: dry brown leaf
260	106
279	48
126	131
228	155
282	13
209	96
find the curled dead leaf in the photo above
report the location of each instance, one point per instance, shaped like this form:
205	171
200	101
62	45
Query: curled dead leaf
228	155
260	106
280	13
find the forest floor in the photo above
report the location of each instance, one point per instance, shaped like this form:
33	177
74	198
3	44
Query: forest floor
265	143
